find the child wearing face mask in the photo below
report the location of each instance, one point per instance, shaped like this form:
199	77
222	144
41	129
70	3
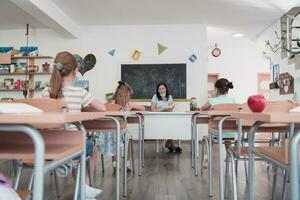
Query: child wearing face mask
163	101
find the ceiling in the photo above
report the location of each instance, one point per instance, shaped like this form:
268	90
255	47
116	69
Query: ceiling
13	17
248	16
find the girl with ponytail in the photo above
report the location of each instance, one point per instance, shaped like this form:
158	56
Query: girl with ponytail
61	86
222	87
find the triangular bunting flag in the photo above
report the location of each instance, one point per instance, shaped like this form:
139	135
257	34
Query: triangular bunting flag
161	48
112	52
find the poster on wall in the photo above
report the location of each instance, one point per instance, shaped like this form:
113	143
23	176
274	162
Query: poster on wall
275	72
286	84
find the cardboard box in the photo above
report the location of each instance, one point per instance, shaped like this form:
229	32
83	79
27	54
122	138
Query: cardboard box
5	58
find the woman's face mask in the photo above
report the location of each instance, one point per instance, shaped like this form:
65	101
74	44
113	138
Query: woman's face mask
162	94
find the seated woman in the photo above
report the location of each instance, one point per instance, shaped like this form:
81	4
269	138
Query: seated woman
163	101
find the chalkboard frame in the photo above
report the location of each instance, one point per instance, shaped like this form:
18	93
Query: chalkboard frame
179	69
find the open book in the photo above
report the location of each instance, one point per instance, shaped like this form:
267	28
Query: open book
296	109
18	108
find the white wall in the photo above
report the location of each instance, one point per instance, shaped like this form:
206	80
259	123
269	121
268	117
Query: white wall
181	40
240	61
275	58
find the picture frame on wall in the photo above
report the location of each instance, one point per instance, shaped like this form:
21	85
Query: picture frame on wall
275	72
82	83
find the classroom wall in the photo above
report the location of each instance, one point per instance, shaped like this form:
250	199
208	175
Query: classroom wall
240	61
181	40
275	58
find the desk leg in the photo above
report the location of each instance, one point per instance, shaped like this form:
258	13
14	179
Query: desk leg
140	146
82	162
143	145
192	145
294	166
196	150
221	160
125	164
39	154
209	154
251	137
118	132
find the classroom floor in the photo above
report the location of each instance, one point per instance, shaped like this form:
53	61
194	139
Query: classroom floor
166	176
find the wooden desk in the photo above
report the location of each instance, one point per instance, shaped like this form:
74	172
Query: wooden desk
274	117
27	124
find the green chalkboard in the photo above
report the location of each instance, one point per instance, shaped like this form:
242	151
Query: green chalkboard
143	78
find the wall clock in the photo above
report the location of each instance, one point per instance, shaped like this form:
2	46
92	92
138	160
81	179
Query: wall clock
216	52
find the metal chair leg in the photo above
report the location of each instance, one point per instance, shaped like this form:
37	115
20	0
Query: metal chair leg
132	155
246	171
76	193
125	164
201	156
90	171
236	167
31	181
18	176
102	163
274	182
226	176
285	180
56	184
192	147
143	145
209	153
233	176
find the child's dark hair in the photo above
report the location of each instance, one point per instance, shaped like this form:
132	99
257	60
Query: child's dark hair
157	92
223	85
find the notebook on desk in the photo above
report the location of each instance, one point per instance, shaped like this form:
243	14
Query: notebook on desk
296	109
14	108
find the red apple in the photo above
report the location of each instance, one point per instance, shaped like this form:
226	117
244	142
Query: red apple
256	103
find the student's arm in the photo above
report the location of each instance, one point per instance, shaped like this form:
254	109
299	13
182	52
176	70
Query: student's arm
153	107
133	106
205	106
171	104
98	105
153	104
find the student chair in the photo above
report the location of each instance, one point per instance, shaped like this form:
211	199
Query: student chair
240	151
104	125
229	126
57	141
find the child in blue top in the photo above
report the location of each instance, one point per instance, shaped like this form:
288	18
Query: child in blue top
222	87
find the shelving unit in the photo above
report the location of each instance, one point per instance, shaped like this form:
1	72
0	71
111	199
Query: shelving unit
14	90
30	60
25	73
